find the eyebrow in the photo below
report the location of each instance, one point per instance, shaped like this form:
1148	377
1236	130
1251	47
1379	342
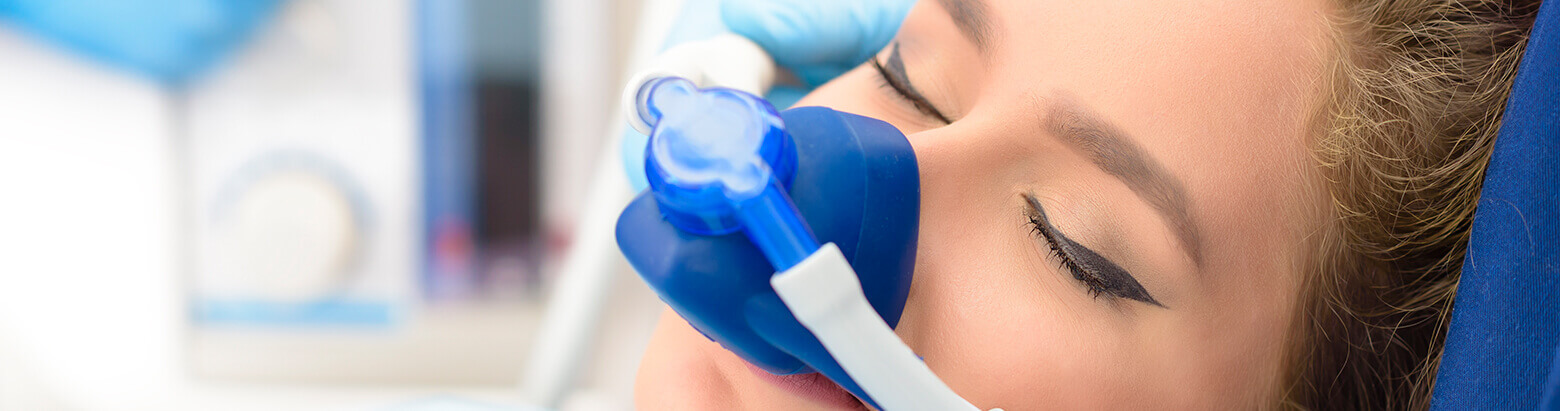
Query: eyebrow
973	18
1114	152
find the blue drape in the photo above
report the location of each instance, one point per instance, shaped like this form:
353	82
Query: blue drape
1503	348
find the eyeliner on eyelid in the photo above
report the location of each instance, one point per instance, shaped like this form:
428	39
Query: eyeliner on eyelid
1096	272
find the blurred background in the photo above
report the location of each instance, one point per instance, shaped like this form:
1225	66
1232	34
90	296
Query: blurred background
306	204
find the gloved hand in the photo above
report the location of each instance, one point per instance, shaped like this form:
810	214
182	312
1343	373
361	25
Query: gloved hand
817	39
168	40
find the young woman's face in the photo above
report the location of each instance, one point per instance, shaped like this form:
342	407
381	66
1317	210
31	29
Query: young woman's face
1113	198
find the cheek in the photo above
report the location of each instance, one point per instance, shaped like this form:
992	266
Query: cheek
676	350
1003	332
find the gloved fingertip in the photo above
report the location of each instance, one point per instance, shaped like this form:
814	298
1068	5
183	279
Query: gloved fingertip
877	23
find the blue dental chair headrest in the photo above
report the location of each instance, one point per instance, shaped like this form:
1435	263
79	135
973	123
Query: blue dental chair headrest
1503	347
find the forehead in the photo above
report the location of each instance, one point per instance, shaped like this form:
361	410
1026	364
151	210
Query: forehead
1240	51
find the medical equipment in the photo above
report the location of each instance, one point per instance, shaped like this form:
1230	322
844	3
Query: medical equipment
293	225
814	40
363	196
722	161
1503	345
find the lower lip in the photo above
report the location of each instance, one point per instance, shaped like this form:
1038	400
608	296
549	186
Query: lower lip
812	386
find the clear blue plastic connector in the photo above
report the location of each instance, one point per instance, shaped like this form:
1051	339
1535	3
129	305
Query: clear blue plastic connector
719	161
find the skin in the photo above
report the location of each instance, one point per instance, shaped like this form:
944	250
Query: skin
1216	96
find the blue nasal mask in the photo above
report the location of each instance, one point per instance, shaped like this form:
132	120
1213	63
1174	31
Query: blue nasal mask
739	192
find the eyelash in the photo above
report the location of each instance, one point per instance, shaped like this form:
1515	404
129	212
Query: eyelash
1089	279
922	106
1101	276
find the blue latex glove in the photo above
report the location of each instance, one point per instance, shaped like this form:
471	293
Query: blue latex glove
168	40
817	39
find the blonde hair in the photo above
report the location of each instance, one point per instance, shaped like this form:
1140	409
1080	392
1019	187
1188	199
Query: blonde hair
1417	92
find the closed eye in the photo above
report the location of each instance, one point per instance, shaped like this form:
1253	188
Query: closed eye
894	77
1098	274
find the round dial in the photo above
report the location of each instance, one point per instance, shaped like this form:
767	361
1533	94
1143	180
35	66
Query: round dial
290	235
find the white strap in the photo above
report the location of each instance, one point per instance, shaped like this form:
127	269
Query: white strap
824	294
